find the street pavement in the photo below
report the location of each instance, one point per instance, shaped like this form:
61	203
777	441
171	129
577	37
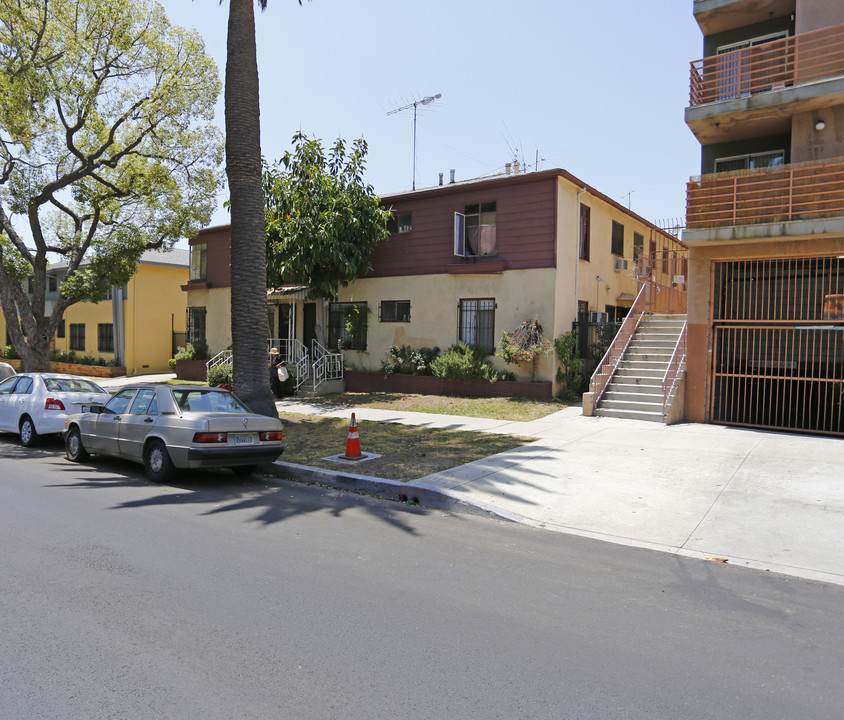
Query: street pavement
766	500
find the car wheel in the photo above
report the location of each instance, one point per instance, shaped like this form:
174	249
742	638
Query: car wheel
244	470
157	461
73	445
28	435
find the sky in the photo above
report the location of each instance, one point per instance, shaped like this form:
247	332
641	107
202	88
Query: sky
596	88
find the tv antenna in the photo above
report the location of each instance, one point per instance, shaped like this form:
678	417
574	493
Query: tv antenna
424	101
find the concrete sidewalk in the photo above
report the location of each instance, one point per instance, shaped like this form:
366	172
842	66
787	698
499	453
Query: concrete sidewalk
772	501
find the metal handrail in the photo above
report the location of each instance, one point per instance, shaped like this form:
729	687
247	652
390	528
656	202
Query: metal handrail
224	357
326	365
773	65
609	363
675	367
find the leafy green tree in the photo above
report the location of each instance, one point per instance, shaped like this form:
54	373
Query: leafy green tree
525	345
106	150
322	220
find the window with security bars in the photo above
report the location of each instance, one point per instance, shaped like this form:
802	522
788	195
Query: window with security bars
347	323
77	336
196	325
476	322
105	337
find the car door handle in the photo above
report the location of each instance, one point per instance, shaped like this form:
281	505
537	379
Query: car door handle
149	419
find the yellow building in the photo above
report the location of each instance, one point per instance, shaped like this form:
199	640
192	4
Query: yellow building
146	323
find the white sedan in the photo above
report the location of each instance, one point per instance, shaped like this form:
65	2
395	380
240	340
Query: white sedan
33	404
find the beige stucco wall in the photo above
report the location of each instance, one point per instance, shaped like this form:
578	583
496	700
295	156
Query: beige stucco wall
808	143
816	14
218	327
519	295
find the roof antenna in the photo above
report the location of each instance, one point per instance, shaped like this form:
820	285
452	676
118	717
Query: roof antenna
424	101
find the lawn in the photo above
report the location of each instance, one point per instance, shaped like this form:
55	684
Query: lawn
408	452
494	408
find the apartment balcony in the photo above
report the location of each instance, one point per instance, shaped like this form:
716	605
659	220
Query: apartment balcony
756	90
790	200
714	16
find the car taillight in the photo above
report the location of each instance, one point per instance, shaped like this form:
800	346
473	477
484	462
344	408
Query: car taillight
53	404
210	438
272	435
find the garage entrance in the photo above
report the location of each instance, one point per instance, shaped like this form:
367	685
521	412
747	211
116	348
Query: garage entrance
778	344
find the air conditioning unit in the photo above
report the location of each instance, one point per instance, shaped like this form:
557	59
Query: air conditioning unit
598	317
620	264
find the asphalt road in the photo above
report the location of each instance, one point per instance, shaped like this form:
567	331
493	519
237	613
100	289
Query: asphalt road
218	598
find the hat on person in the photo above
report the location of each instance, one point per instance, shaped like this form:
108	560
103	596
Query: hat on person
273	351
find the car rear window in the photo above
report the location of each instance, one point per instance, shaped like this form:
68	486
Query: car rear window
71	385
204	401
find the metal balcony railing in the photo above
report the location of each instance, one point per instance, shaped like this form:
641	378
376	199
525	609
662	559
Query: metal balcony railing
773	65
800	191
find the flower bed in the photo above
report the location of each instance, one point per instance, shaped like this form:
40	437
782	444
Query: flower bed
366	381
100	371
191	370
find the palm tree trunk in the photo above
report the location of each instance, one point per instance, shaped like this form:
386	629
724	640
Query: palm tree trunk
248	236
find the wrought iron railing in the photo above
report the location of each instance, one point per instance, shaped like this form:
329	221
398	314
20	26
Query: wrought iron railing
674	369
772	65
224	357
326	365
295	355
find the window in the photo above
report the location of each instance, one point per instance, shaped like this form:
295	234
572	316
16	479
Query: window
399	223
119	404
77	336
585	227
617	238
198	261
60	331
105	337
394	311
751	161
474	230
347	325
145	403
476	322
52	283
196	325
638	246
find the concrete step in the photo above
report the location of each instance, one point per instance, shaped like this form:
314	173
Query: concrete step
639	405
644	365
629	377
630	414
615	395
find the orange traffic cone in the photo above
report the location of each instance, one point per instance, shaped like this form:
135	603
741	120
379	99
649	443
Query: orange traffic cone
353	443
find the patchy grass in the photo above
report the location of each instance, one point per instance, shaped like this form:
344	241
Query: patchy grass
408	452
493	408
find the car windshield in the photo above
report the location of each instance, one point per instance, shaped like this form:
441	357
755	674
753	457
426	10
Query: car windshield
205	401
71	385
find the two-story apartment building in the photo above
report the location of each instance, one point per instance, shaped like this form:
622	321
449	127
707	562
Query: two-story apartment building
138	326
765	219
465	261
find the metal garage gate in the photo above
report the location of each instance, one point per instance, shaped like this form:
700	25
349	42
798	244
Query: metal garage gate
778	344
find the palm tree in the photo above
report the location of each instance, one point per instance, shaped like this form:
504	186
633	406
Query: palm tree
248	239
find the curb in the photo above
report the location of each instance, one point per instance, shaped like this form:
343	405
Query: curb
405	493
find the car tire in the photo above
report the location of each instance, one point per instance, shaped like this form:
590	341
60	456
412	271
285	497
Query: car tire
157	461
73	448
244	470
29	437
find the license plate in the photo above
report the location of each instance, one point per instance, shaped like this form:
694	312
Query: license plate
86	408
243	440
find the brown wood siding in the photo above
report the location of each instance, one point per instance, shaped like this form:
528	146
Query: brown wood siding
218	264
525	227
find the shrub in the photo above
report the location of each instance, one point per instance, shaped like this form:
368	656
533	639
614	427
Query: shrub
219	375
464	362
10	352
197	351
172	364
525	345
570	371
404	359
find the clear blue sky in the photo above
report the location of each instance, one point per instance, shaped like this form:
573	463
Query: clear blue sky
597	88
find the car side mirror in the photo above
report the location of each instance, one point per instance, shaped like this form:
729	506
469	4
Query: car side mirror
97	409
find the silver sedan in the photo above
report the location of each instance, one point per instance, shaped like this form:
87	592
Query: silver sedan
166	427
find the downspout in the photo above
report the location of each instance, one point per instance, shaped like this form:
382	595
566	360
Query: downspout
117	324
577	252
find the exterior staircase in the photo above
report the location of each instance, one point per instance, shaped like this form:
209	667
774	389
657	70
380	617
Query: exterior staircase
635	391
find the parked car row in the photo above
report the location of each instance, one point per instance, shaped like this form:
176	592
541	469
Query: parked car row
163	427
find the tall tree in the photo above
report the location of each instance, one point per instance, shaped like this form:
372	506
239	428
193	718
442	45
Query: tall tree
106	149
250	328
323	221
